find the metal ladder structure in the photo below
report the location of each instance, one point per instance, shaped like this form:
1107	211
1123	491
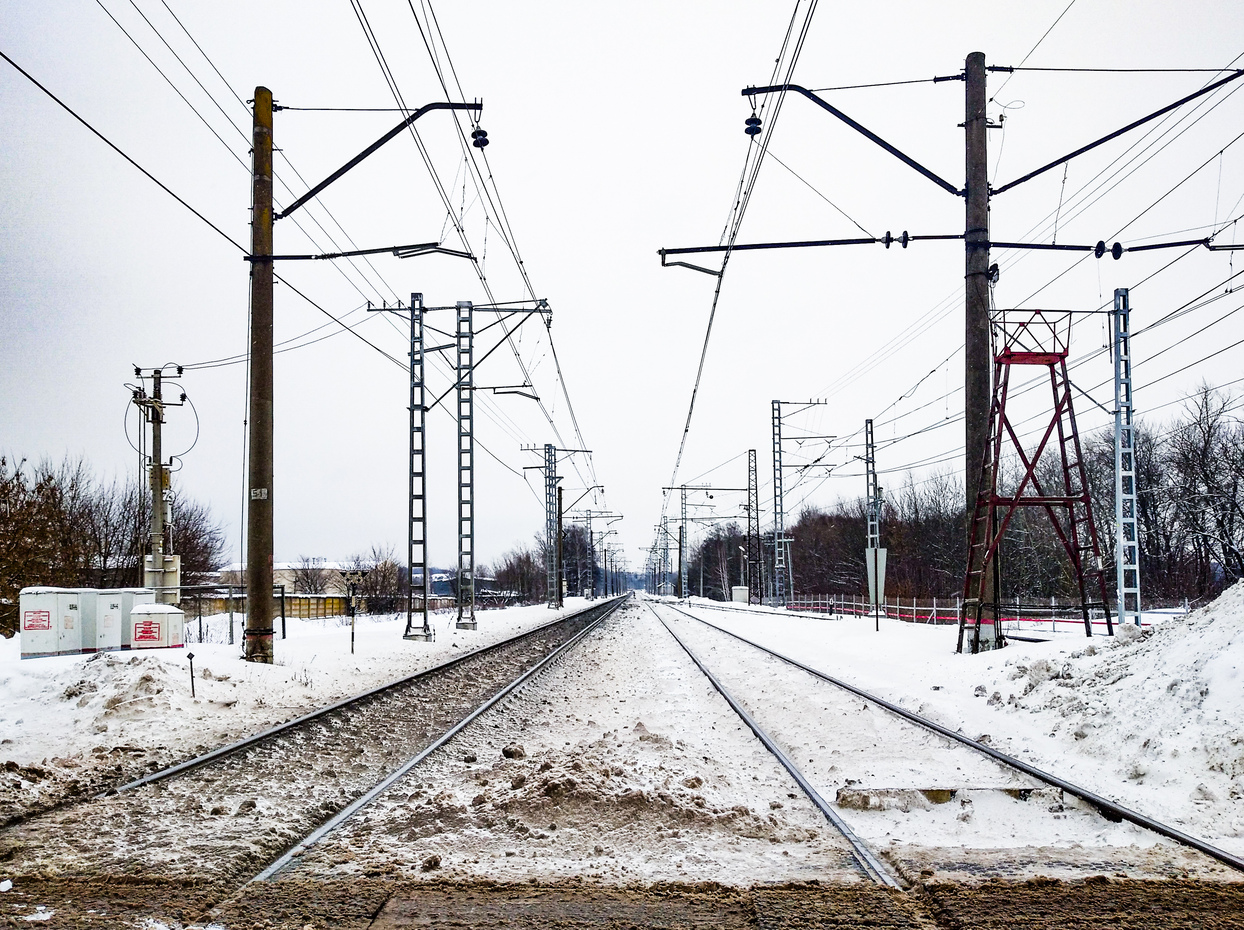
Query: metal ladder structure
1127	540
873	492
682	546
1030	338
874	555
755	558
465	347
665	554
781	548
550	519
416	537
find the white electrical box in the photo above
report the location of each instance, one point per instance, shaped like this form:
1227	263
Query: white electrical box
50	622
130	598
156	626
101	619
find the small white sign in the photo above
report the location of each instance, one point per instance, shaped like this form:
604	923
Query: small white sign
259	494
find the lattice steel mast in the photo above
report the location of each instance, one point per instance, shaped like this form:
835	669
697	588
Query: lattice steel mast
466	464
754	555
550	519
1127	540
780	549
416	538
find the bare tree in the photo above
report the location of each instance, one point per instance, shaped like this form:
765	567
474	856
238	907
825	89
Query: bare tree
310	576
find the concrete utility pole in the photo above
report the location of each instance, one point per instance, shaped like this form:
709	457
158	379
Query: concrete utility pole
257	645
977	358
976	281
161	570
157	479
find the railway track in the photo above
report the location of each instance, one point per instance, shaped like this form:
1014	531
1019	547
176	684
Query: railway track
220	817
470	829
1026	780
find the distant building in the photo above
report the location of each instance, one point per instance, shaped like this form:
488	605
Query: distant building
298	577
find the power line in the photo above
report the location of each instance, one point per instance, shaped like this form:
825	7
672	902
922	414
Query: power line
932	80
1034	48
739	212
1115	70
116	149
808	184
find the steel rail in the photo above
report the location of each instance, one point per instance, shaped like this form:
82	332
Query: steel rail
1107	808
364	800
772	612
220	753
864	857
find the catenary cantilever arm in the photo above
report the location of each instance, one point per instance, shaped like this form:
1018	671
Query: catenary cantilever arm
906	159
443	105
1118	132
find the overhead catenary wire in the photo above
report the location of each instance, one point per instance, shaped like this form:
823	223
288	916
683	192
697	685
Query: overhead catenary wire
504	226
378	54
1006	261
108	142
740	211
489	409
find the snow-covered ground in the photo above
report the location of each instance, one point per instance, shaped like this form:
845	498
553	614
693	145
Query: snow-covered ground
1152	721
634	757
68	721
619	764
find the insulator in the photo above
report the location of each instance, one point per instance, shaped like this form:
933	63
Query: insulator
888	239
479	137
1100	249
753	125
904	238
1116	251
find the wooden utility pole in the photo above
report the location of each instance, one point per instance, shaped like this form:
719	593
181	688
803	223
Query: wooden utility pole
258	639
977	361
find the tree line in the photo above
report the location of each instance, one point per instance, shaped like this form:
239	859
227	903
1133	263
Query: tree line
61	525
1190	514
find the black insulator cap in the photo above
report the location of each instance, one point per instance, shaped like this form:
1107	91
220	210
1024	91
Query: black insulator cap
753	125
1100	249
888	239
904	238
480	138
1116	251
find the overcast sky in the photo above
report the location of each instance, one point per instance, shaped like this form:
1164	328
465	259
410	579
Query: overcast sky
615	129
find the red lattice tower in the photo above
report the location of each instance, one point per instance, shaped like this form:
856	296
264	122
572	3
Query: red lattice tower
1033	338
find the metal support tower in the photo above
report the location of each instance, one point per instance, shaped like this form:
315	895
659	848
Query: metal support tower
873	550
466	464
1127	540
873	492
550	519
1036	338
755	558
665	553
591	554
780	550
416	539
682	546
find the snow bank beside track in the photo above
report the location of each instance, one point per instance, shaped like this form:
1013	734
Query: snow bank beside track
1151	720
